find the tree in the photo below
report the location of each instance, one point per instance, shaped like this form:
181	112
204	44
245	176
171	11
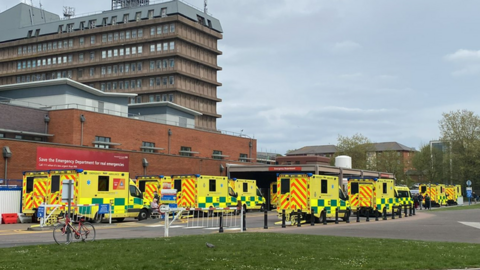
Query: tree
429	163
393	162
460	130
357	148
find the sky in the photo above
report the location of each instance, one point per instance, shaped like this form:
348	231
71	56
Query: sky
302	72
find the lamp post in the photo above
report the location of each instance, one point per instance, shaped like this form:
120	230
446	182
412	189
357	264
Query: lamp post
169	135
145	165
6	155
82	120
46	118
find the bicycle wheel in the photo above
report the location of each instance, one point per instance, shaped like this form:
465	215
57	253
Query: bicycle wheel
87	232
62	234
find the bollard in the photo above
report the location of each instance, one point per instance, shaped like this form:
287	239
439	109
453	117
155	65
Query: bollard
410	210
399	211
368	215
358	214
414	211
376	214
347	216
393	212
336	215
221	223
265	219
405	207
244	221
312	219
299	224
384	213
324	216
283	219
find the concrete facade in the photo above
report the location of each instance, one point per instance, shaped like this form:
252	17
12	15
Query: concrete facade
162	52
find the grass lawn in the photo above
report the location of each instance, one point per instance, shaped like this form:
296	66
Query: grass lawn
244	251
464	207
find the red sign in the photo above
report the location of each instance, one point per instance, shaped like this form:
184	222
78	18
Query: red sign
383	175
49	158
284	168
118	183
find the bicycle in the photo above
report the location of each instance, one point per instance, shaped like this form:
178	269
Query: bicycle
64	232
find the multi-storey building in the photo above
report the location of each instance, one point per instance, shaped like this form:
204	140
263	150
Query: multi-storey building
162	52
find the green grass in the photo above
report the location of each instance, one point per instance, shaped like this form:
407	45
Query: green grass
245	251
453	208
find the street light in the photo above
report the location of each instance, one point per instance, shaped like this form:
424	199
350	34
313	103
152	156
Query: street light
6	154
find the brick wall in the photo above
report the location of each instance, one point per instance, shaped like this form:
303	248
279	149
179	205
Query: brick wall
24	158
22	118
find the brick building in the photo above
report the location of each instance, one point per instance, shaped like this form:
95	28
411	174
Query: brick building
162	52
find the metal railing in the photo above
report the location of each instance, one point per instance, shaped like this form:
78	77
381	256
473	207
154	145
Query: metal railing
11	182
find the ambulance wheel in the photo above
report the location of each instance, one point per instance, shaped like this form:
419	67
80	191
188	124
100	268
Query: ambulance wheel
120	219
143	215
97	218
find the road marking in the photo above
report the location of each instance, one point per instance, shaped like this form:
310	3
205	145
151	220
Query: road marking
154	226
471	224
195	227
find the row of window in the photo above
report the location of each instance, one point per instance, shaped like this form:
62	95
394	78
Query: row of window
45	47
44	76
132	84
153	98
44	62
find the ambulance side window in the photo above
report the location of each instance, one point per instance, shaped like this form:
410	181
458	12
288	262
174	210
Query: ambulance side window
29	184
342	195
103	183
231	192
134	192
324	186
259	193
245	187
354	188
285	186
177	184
385	188
274	188
55	187
141	185
212	185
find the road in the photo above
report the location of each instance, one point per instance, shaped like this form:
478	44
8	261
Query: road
450	226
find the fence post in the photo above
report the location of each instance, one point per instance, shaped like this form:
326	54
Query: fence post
358	214
298	218
220	230
414	211
393	211
283	219
405	207
312	219
376	214
324	216
347	215
384	213
368	216
336	215
244	220
410	210
399	211
265	218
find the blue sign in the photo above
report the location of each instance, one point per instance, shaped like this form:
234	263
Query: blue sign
104	209
168	198
41	212
469	193
172	205
88	182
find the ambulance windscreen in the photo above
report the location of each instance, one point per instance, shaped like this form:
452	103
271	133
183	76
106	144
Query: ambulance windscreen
29	184
177	184
285	185
55	186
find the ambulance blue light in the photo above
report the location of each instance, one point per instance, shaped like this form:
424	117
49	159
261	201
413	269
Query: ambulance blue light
197	175
309	174
79	170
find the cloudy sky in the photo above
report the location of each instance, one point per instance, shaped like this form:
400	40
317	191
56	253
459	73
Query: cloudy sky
301	72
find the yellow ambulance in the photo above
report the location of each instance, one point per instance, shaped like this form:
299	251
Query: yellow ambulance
273	195
308	192
453	192
149	184
203	191
248	194
34	191
403	196
368	195
436	192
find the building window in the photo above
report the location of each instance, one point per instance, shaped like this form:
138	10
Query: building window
165	29
171	79
92	55
152	31
104	54
152	65
243	158
139	99
172	45
114	20
152	82
163	12
82	26
148	147
170	97
159	30
115	36
110	37
138	16
172	63
92	72
134	33
104	22
102	142
139	66
140	32
125	18
217	154
172	28
127	51
60	28
185	151
82	41
92	24
140	49
104	38
150	14
69	27
92	40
